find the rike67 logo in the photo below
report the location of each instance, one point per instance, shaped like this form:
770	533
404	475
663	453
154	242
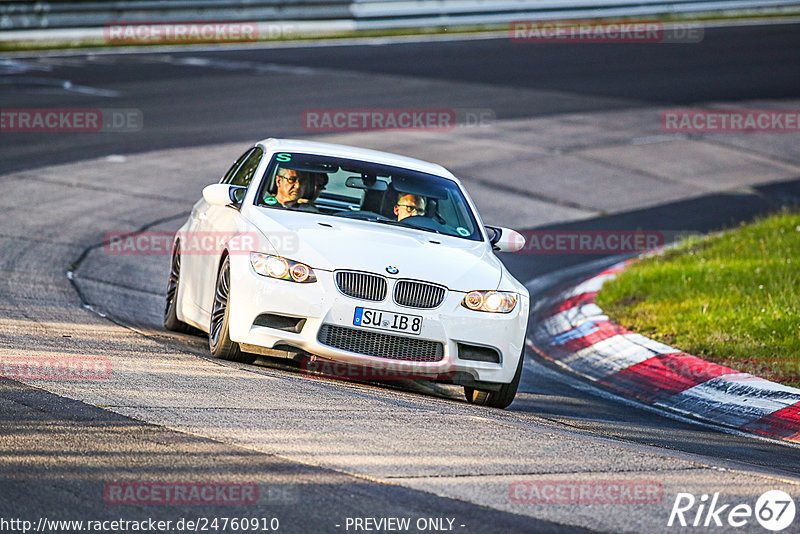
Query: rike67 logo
774	510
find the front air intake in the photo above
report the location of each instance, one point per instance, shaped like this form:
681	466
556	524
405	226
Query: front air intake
280	322
477	353
380	345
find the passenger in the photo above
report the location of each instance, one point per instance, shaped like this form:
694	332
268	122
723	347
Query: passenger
306	203
408	206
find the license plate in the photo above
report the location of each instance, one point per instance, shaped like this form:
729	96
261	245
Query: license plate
383	320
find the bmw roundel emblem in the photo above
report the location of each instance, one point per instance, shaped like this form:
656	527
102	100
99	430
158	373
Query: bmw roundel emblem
392	269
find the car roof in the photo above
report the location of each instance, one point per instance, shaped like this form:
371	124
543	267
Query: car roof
351	152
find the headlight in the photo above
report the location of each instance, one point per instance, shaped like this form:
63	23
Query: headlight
490	301
281	268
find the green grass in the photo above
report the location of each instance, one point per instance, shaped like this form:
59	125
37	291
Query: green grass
732	298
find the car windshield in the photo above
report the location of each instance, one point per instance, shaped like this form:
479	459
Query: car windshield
367	191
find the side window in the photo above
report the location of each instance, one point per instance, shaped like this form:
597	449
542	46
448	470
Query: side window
244	174
232	171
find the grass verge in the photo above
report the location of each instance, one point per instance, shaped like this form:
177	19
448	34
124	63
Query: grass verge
731	298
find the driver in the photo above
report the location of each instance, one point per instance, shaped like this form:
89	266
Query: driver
291	186
408	206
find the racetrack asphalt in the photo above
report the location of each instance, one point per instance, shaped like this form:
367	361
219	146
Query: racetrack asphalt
353	436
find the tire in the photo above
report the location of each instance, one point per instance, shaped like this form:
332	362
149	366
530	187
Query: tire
219	341
497	399
171	321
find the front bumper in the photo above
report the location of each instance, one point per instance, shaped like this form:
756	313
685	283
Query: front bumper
321	303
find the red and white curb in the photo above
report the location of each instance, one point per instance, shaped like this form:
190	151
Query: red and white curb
572	331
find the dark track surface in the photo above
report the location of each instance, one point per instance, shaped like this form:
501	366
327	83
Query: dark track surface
52	466
184	105
724	66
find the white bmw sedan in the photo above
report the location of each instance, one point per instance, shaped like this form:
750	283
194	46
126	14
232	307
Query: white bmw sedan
355	257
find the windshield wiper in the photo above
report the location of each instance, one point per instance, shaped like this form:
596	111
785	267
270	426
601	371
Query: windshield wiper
408	225
390	221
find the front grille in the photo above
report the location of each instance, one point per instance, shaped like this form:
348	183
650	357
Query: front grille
415	294
380	345
362	286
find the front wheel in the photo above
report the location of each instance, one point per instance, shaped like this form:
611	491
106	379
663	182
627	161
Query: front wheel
500	398
171	321
219	341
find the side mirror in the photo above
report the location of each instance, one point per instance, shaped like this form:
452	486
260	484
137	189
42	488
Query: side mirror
505	239
223	194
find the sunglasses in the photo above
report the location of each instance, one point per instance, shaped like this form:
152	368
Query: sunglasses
413	209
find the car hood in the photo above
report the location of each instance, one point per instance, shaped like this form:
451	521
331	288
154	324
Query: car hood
332	243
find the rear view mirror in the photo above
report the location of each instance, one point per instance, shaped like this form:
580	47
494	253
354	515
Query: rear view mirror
358	182
505	239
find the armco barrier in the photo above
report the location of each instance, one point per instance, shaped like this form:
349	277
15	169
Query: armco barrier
572	331
362	14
